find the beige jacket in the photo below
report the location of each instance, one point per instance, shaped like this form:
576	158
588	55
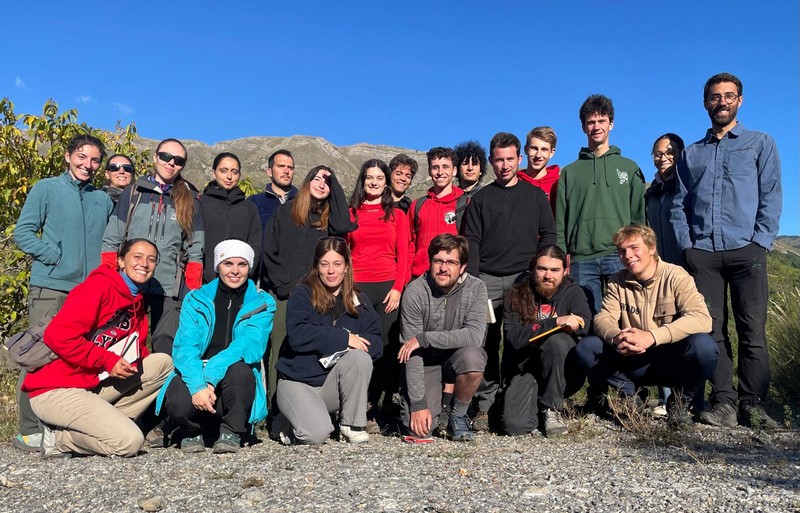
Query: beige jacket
668	306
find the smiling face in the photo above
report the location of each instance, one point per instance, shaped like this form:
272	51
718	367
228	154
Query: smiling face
139	262
227	173
374	183
233	272
166	172
548	273
84	162
331	270
597	127
664	156
401	179
637	257
116	175
505	162
539	153
723	114
446	269
319	187
441	171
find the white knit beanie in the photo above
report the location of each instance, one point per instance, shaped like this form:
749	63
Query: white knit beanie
232	248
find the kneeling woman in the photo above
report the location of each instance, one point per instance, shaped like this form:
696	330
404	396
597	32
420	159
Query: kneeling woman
87	397
326	315
221	339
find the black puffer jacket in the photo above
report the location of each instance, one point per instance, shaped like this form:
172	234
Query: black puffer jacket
226	215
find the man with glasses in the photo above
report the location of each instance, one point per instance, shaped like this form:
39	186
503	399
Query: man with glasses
443	320
725	215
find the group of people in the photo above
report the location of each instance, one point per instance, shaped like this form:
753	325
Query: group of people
312	311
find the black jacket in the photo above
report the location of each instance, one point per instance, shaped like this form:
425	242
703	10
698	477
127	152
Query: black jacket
226	215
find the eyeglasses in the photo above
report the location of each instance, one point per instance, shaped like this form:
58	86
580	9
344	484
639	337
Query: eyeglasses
448	263
658	155
714	99
128	168
163	156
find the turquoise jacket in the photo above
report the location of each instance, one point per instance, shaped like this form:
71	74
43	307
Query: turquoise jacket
61	226
251	329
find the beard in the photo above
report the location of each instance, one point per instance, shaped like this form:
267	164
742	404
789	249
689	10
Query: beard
545	290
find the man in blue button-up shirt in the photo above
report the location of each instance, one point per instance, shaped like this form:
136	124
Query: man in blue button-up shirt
725	215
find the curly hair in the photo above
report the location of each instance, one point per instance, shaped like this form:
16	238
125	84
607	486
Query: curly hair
597	104
471	152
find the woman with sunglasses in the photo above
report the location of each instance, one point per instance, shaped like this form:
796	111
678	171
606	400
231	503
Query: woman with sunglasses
380	269
333	336
318	210
164	208
104	377
658	202
226	214
119	173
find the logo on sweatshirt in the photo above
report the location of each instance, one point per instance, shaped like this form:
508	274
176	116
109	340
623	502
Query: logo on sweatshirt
623	177
450	217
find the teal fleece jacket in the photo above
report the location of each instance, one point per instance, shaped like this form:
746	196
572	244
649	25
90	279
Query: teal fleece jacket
596	196
61	226
251	330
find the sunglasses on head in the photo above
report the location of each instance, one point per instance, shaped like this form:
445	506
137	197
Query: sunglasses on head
128	168
163	156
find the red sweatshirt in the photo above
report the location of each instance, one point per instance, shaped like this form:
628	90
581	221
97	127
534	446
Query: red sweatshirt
380	248
547	183
437	216
101	308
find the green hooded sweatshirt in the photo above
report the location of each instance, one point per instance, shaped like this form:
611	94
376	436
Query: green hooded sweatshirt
596	196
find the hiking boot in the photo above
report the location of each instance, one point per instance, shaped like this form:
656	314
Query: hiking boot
156	438
754	416
28	443
553	424
193	444
721	415
480	422
353	435
227	443
458	428
48	449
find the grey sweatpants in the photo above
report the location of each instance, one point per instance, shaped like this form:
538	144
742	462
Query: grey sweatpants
308	408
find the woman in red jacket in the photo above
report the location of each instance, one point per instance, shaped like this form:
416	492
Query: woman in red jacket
380	269
87	397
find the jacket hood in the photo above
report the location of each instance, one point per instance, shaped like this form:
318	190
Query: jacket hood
235	195
456	193
144	184
115	280
599	162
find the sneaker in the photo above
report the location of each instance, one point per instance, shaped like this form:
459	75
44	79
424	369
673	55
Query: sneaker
353	435
721	414
226	443
480	422
193	444
48	449
754	416
28	443
553	424
459	429
660	411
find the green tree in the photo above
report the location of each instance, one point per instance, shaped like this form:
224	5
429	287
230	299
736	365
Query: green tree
32	147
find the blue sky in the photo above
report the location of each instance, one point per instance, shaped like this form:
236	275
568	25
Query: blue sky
409	74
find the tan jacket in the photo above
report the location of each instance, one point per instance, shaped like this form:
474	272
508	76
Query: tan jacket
668	306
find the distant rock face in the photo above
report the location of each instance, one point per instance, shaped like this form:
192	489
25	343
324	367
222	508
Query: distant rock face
308	152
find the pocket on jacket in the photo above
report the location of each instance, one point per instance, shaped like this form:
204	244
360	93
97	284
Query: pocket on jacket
665	311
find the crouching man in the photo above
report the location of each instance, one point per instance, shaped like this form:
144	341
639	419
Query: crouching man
546	312
443	321
653	328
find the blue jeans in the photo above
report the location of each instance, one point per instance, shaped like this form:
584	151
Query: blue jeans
591	274
683	365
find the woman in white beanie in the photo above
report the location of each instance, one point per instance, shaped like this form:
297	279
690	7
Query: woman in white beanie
221	339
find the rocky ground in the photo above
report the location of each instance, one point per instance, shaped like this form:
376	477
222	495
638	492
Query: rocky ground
597	467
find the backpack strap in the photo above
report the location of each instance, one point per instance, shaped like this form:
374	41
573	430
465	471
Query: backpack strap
133	202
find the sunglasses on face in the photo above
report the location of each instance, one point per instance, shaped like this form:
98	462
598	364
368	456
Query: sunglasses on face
163	156
120	167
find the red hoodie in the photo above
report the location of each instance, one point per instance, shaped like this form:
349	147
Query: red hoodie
547	183
102	308
379	248
437	216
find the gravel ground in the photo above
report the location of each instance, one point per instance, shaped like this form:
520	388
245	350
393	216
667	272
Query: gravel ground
596	467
